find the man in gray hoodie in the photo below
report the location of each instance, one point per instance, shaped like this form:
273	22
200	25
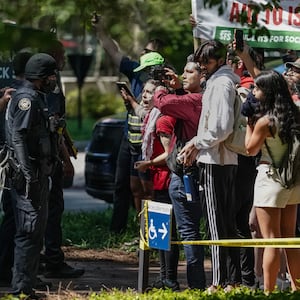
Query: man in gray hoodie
217	164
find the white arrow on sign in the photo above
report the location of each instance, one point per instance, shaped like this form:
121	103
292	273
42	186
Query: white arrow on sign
163	230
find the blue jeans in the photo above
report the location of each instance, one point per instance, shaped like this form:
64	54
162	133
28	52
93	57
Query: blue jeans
188	216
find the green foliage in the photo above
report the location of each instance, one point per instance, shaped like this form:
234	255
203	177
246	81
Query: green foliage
94	104
130	22
235	294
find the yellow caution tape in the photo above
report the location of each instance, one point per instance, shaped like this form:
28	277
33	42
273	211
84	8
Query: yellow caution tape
257	243
270	243
144	243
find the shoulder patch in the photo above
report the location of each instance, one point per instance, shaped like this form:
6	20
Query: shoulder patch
24	104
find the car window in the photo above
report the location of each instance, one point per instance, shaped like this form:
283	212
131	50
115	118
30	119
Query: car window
106	138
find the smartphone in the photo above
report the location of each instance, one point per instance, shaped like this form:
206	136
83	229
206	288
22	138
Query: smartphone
239	39
123	84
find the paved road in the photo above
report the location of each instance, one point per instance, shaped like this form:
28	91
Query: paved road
76	197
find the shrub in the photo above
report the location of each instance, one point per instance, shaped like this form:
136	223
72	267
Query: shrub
94	104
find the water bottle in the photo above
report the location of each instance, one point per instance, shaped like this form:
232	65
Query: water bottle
189	186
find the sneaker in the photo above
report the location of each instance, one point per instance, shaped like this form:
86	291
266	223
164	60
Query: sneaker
158	284
283	284
212	289
228	288
42	285
63	271
171	284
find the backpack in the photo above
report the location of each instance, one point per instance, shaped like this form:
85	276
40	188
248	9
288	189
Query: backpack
235	142
286	173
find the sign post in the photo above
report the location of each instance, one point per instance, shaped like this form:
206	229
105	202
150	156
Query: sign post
155	233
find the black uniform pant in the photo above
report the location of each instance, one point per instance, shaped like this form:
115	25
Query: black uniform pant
53	235
31	218
7	233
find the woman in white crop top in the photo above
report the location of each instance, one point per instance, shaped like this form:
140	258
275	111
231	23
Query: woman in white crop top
275	206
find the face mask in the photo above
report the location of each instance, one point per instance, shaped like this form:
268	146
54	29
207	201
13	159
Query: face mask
48	86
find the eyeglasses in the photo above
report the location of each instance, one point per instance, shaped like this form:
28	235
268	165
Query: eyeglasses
147	50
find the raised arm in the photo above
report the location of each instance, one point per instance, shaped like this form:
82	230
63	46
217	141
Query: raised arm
107	42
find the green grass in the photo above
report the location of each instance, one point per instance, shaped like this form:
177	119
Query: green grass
91	230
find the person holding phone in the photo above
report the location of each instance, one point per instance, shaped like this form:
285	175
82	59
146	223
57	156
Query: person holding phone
128	152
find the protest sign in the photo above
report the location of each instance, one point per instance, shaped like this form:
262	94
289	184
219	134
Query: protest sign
283	23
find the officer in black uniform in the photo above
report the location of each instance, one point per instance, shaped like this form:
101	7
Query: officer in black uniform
7	227
54	258
29	138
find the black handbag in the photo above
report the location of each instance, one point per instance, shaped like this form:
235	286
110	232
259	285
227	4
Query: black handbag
171	160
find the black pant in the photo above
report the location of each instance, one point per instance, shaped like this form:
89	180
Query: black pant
218	184
122	194
53	235
246	174
7	233
31	218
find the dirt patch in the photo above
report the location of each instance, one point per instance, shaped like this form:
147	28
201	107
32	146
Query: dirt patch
104	269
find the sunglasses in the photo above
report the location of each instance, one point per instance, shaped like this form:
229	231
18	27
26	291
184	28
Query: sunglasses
147	50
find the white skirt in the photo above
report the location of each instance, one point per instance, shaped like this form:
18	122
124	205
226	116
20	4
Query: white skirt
270	193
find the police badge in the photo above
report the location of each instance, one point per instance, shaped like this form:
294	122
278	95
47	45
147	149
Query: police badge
24	104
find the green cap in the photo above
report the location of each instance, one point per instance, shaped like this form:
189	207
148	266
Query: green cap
149	59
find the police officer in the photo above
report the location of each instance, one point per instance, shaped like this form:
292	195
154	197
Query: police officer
28	136
7	227
55	265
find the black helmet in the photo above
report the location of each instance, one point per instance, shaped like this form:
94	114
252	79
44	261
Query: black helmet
39	66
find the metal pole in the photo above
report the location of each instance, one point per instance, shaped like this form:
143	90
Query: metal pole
79	114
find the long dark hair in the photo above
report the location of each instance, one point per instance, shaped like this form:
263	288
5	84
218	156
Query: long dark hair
278	102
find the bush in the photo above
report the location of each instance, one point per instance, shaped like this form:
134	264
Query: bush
94	104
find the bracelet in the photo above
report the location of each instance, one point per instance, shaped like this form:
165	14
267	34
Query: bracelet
151	162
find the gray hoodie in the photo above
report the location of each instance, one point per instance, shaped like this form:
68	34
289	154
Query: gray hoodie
217	118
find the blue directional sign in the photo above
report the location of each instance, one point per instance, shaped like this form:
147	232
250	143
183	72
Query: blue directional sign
159	225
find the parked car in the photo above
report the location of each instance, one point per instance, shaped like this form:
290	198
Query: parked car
101	156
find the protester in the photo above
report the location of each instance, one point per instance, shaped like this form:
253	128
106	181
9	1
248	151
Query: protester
186	106
217	164
292	76
157	136
249	107
276	206
128	153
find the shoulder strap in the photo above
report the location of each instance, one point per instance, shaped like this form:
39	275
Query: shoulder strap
269	152
178	129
